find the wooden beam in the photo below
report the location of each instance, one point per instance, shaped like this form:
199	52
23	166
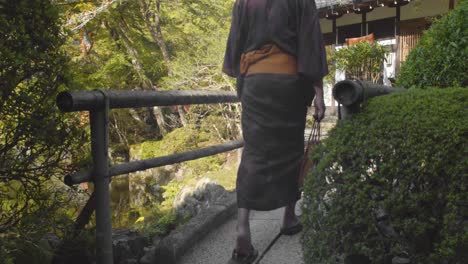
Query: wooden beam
364	24
335	32
451	4
397	21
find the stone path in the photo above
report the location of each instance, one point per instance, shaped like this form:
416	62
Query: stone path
216	247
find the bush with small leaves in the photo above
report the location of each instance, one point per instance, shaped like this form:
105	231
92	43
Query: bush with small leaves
392	182
441	57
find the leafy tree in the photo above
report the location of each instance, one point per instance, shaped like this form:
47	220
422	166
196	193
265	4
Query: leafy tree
200	29
121	56
37	142
149	44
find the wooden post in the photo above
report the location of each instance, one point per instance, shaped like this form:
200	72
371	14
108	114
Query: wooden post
335	35
364	24
99	149
397	38
451	4
335	32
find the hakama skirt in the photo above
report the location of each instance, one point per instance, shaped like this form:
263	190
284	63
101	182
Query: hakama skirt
274	109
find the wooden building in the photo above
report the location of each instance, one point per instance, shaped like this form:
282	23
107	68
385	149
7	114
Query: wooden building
396	24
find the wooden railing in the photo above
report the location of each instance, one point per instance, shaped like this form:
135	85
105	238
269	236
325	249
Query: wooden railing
351	94
98	103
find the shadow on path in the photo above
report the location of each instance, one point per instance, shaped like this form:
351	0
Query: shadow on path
216	247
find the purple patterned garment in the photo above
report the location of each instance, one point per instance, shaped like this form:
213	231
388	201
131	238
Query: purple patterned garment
293	25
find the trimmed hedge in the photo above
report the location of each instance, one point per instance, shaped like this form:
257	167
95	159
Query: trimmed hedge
392	182
441	57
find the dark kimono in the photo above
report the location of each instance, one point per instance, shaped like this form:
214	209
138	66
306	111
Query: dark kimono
274	105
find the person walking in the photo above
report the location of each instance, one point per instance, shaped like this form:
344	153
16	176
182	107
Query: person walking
275	50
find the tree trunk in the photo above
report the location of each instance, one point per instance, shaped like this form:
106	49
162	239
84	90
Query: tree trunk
134	114
145	82
181	111
160	119
152	21
137	66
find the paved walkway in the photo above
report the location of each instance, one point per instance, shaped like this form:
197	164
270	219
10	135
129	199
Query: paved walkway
216	247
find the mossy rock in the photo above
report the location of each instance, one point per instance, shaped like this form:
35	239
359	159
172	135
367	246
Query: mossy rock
179	140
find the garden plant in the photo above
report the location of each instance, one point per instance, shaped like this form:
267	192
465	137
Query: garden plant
363	61
441	57
392	183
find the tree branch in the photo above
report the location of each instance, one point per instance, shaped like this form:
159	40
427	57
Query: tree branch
83	18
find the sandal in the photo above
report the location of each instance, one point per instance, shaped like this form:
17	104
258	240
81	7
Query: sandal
292	230
243	259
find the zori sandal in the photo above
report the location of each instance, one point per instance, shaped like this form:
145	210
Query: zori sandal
290	231
238	258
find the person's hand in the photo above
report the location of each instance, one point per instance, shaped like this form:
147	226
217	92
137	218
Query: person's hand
319	106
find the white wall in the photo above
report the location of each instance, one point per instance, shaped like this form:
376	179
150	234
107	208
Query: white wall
326	25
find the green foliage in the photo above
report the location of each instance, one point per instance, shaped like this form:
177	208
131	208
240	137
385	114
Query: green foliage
199	67
362	61
441	57
191	26
225	177
38	59
203	165
159	222
162	224
37	142
330	78
405	154
179	140
217	123
124	55
161	219
206	127
108	63
27	252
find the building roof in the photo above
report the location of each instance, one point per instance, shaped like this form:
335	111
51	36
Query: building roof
356	6
328	3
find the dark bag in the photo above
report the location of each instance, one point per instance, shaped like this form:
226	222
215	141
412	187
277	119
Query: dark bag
307	163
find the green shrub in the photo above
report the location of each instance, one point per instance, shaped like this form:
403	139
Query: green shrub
441	57
401	164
